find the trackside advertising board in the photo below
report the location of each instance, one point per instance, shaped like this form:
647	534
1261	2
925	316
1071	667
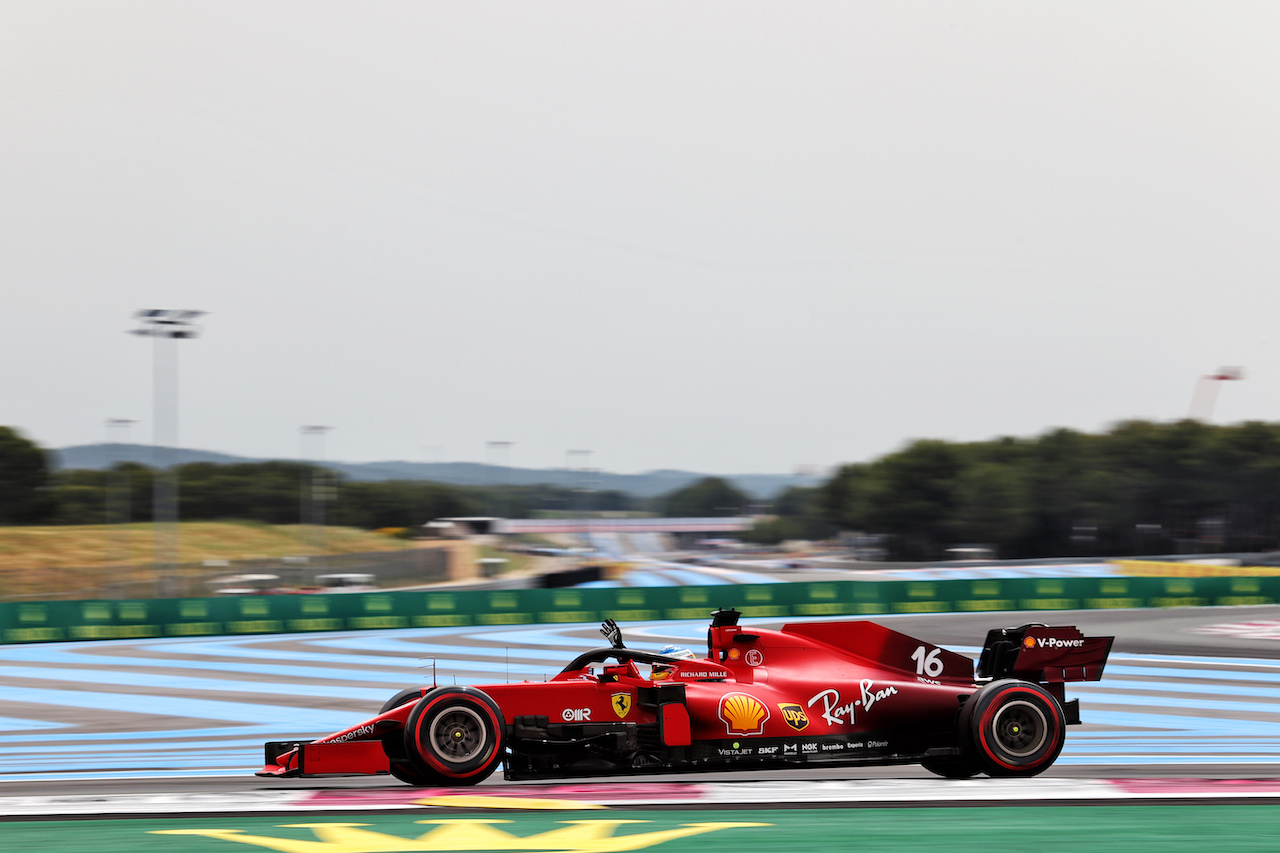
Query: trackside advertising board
57	621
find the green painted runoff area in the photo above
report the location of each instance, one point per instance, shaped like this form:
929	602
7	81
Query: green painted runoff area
1097	829
56	621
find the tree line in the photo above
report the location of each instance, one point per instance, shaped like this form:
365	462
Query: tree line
1140	488
284	492
276	492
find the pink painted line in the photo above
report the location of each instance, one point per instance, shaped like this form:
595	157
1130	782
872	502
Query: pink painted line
621	793
1198	787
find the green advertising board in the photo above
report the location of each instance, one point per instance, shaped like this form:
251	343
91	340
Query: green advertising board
57	621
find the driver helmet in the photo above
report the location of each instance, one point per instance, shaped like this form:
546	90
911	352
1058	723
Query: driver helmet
662	670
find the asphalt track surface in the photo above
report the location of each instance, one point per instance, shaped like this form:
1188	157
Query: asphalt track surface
1183	697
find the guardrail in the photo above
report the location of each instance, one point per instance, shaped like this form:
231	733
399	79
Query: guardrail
54	621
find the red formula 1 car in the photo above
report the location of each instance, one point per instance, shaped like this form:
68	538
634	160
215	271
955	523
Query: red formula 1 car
811	694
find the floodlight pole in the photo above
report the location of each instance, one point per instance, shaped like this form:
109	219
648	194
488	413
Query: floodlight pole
1206	393
165	326
505	448
118	497
316	492
115	515
574	483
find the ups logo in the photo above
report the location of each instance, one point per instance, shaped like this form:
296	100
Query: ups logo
794	716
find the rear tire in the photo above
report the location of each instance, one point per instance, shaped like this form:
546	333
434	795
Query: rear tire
1017	728
953	767
455	735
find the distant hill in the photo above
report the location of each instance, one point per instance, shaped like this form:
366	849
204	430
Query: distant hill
99	456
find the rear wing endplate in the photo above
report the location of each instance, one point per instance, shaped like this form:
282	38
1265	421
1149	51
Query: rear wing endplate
1043	654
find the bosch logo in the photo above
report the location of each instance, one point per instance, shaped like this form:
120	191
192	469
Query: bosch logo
576	715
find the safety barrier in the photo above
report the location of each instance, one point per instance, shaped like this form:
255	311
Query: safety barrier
54	621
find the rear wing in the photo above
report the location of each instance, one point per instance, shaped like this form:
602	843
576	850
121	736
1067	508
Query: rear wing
1043	654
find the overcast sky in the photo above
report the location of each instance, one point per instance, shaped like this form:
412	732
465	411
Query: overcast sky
720	236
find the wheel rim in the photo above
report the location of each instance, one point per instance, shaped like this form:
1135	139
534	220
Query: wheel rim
1020	728
458	735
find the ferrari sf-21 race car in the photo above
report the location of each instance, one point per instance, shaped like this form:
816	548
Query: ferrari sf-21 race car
810	694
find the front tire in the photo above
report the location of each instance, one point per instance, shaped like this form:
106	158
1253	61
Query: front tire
1017	727
399	768
455	735
409	694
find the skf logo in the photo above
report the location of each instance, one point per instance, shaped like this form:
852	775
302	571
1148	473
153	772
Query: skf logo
743	714
793	715
621	703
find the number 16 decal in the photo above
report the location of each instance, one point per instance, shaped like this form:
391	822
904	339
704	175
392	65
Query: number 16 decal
927	664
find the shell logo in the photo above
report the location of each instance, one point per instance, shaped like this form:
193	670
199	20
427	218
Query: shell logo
743	714
1029	642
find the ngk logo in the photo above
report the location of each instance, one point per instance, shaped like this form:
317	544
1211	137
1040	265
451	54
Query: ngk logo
1055	643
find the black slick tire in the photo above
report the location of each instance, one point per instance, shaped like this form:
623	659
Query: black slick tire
393	743
455	736
1017	728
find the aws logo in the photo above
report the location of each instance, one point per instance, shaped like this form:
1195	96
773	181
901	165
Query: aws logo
743	714
793	715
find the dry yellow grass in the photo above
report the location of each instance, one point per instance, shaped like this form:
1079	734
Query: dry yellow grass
35	560
103	545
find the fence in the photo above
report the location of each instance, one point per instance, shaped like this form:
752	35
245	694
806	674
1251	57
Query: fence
52	621
391	568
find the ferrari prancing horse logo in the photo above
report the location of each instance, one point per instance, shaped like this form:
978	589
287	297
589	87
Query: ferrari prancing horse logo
621	703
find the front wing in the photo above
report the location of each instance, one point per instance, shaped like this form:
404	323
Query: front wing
290	759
